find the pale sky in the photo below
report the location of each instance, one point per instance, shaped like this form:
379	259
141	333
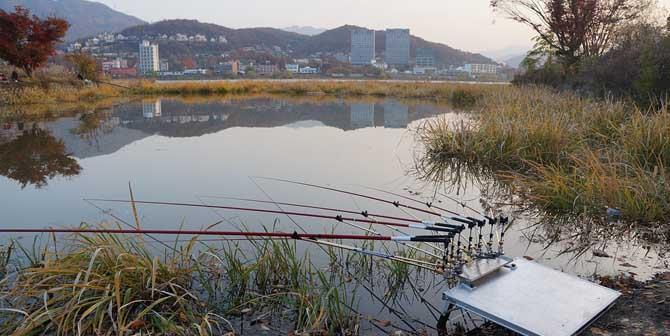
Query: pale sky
464	24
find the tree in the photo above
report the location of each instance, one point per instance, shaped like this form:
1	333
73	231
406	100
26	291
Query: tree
27	41
84	65
573	29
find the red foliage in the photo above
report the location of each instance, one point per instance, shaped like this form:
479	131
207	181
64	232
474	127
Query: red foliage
27	41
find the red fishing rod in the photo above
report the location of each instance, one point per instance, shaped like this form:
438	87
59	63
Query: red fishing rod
293	235
310	237
426	225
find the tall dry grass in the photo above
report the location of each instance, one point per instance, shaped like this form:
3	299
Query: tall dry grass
458	94
564	153
123	285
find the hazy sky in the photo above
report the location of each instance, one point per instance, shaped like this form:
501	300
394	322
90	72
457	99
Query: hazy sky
465	24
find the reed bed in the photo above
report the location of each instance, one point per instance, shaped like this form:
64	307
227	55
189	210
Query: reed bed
120	285
562	153
458	94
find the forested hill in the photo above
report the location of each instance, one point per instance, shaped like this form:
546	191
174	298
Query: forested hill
85	17
297	45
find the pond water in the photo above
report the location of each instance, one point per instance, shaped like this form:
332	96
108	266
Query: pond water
198	151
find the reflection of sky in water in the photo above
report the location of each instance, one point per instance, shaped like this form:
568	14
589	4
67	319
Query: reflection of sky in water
174	151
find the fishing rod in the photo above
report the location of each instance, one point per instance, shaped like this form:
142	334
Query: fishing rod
310	237
471	223
397	204
363	213
425	225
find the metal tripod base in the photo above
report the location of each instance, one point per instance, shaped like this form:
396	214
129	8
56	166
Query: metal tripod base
532	299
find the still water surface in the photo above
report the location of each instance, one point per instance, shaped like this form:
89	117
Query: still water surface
198	151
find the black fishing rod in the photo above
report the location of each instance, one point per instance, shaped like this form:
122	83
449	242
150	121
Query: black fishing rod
439	227
394	203
492	221
363	213
397	204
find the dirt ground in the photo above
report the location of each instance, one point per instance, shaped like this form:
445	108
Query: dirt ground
643	309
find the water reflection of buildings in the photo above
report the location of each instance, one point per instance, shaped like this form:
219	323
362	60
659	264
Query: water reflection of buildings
151	109
362	115
396	114
175	118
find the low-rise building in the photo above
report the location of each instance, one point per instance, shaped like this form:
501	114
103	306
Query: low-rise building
309	70
229	68
475	69
293	68
123	72
192	72
266	69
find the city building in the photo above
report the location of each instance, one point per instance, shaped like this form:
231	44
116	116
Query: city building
477	69
148	58
293	68
123	72
195	72
200	38
425	58
116	63
424	62
397	46
266	69
362	46
229	68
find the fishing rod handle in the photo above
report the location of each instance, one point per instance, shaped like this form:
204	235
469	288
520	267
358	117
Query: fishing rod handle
436	227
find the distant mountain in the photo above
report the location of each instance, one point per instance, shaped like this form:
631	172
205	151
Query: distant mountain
86	17
512	56
514	61
305	30
339	40
237	38
297	45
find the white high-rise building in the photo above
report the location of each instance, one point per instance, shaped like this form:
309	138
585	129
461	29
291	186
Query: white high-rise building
362	46
397	46
149	60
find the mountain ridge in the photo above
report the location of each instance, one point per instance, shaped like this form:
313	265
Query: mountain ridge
85	17
332	41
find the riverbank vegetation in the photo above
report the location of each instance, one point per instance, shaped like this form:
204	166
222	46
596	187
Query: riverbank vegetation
36	92
104	284
566	138
562	153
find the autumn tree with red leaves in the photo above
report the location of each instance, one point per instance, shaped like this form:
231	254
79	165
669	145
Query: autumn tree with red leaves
27	41
573	29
